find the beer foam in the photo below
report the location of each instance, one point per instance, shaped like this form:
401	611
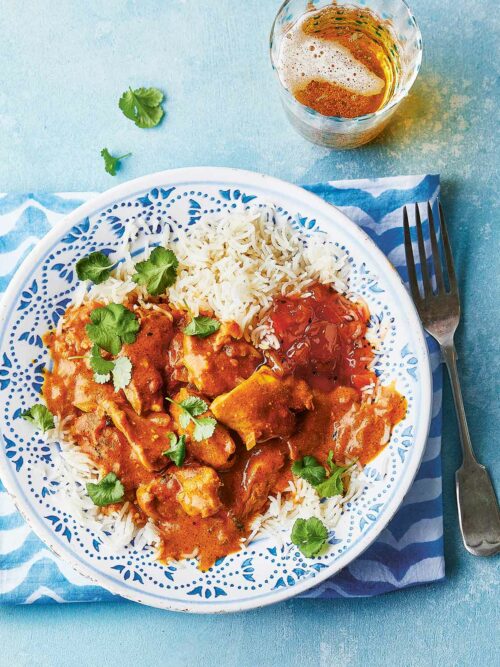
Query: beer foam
304	58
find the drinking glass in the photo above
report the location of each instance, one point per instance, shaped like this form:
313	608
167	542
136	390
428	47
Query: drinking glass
333	131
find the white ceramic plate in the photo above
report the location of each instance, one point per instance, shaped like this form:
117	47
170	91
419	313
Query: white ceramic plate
38	295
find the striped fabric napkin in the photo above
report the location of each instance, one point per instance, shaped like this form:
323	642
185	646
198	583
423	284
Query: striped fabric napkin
408	552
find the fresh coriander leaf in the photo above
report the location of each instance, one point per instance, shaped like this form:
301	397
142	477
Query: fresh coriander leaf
158	272
102	379
191	408
202	326
310	535
184	419
205	427
143	106
333	486
106	492
122	373
98	364
111	326
40	416
111	163
120	369
95	267
177	451
309	469
194	405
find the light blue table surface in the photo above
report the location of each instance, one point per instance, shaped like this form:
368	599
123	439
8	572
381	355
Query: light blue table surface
63	66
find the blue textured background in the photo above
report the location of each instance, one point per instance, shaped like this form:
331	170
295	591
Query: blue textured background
64	64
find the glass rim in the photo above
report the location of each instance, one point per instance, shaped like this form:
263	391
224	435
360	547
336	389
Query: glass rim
374	114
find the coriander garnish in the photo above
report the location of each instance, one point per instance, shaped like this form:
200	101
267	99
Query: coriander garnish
202	326
106	492
40	416
310	535
104	369
177	450
158	272
309	469
312	471
112	163
96	267
112	326
143	106
191	407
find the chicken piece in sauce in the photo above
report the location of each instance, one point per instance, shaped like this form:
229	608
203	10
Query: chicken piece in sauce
109	449
157	498
146	435
263	407
199	494
149	357
194	488
71	341
351	429
87	394
314	435
258	479
218	363
363	431
217	450
71	382
197	531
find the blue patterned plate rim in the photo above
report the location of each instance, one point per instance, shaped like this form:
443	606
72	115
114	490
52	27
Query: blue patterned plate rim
331	217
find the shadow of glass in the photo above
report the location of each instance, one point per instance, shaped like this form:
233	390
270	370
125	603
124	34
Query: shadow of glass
418	115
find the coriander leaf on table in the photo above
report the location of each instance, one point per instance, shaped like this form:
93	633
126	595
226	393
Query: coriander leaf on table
111	163
40	416
202	326
106	492
158	272
112	326
309	469
143	106
310	536
95	267
177	450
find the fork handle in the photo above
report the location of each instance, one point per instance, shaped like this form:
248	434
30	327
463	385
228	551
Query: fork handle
478	509
450	357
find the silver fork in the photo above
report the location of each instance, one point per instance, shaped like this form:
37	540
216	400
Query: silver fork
439	311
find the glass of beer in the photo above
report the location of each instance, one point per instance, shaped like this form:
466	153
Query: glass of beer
344	68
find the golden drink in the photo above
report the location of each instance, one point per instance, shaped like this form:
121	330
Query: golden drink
340	61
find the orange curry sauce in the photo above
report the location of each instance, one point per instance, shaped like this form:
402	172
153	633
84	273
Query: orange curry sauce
303	398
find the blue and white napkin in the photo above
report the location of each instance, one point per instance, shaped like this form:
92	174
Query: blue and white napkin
407	553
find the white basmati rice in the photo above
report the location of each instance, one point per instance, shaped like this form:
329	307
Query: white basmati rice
235	264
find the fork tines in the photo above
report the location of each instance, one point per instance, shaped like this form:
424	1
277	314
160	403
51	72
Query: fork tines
437	263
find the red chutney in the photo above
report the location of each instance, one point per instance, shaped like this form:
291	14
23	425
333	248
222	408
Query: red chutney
323	339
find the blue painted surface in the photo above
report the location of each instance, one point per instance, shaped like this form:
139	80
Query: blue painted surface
64	65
